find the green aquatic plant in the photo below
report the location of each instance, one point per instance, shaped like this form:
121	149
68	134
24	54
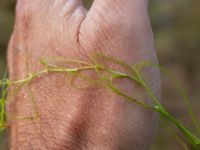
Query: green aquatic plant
105	77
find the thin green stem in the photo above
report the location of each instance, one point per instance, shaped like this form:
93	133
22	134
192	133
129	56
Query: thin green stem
185	98
181	142
107	82
130	99
194	140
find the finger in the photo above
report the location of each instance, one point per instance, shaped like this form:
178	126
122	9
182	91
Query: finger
124	7
118	20
24	6
27	10
128	13
60	2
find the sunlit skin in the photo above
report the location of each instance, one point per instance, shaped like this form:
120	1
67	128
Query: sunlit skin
70	118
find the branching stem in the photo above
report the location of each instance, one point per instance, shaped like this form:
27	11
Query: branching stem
107	81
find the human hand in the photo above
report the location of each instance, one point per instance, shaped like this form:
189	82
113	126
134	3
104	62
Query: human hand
91	118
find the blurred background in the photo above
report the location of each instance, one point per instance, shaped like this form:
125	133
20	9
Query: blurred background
176	24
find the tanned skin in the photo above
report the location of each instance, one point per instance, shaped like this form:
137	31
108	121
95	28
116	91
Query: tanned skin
70	118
